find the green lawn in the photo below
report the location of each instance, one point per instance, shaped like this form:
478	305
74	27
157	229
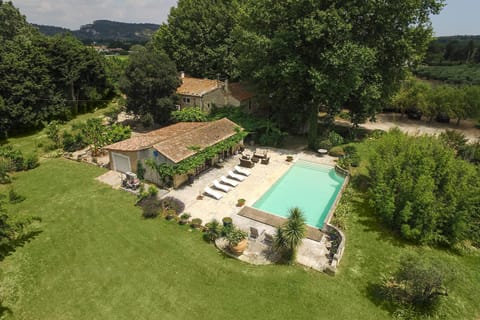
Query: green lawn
96	258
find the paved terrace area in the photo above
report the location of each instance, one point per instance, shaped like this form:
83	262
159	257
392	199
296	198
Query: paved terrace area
311	253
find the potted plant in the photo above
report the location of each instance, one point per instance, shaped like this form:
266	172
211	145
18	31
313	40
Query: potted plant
237	240
227	221
289	158
200	196
240	202
196	223
184	218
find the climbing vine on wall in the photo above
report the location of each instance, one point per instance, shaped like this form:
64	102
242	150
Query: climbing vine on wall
165	170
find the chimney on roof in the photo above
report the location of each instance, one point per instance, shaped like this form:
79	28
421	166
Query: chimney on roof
182	74
227	89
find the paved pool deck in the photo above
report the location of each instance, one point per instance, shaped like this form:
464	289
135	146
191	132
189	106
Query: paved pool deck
312	253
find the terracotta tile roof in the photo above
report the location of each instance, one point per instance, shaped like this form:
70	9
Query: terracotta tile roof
146	140
176	141
197	87
179	147
239	91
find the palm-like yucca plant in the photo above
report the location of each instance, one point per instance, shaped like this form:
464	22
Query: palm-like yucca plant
213	231
290	235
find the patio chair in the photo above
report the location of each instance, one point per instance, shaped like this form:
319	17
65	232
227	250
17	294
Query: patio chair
243	171
220	186
246	163
235	176
268	239
213	193
253	233
230	182
265	161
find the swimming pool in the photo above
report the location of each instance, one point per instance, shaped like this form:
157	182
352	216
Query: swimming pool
311	187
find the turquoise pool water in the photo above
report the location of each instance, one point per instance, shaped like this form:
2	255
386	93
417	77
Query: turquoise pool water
311	187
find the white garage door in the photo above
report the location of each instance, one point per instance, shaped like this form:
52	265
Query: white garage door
121	163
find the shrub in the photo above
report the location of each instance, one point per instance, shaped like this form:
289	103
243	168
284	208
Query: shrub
151	209
152	191
5	168
419	188
53	133
273	136
170	214
15	156
417	283
377	134
214	230
350	149
335	139
117	133
73	142
325	144
470	152
150	214
189	114
355	160
14	197
344	115
336	152
140	170
173	203
31	161
345	162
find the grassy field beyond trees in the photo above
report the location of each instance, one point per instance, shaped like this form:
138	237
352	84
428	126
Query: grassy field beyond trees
96	258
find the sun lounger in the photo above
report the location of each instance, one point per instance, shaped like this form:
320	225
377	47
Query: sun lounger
235	176
243	171
230	182
220	186
213	193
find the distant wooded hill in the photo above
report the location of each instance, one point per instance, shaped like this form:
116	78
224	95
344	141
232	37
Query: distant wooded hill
105	31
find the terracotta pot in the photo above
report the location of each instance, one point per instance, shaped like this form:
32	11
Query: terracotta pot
240	247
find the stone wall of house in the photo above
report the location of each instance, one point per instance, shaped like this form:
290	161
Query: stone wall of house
216	97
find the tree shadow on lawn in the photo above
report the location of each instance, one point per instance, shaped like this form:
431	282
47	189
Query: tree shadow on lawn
374	294
4	310
7	249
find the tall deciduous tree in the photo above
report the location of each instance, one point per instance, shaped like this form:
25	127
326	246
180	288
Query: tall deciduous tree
38	74
78	71
150	82
306	55
197	36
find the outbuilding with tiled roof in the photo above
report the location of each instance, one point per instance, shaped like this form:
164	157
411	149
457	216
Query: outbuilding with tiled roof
170	145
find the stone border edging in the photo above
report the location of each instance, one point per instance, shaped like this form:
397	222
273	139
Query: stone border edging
332	268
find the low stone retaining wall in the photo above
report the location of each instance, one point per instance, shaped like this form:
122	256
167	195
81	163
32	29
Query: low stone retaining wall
342	171
338	246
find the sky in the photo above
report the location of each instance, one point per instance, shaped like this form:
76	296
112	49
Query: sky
459	17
